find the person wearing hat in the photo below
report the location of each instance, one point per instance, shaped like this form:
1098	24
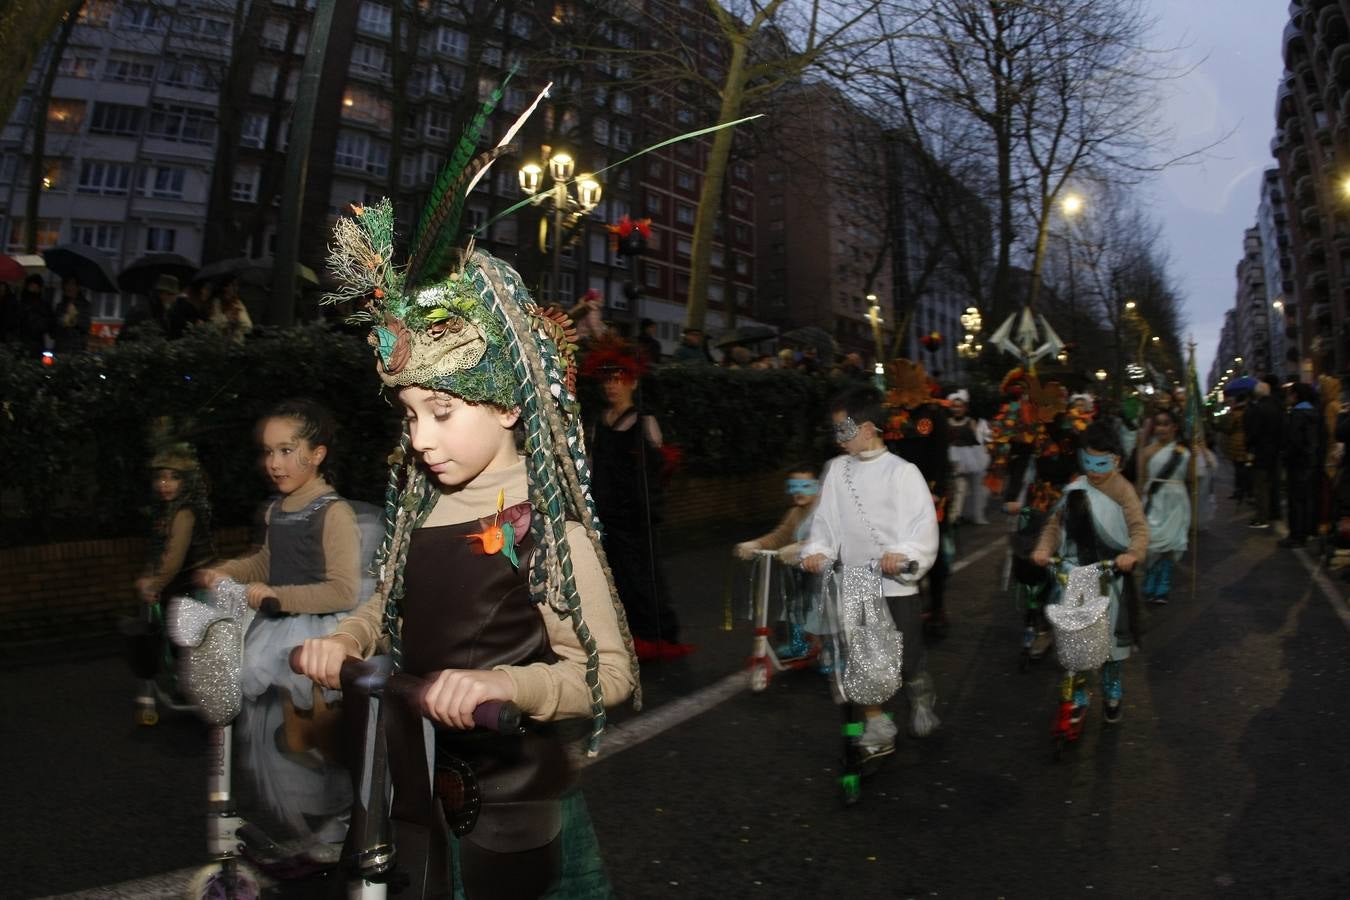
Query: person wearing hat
966	437
691	349
228	312
148	318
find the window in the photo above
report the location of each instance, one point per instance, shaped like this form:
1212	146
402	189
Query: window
684	214
716	293
253	130
164	182
374	19
684	247
655	204
159	239
438	124
776	177
65	116
685	180
715	258
181	123
359	152
274	34
361	105
130	71
622	138
742	233
684	116
48	234
656	169
623	103
742	264
743	297
202	27
740	202
191	73
99	235
505	231
264	80
740	171
652	277
681	283
516	99
452	43
474	217
103	178
115	118
141	18
369	59
9	167
77	66
244	185
600	131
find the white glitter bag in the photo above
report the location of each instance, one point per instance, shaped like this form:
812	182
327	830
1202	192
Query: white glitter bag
871	648
1082	621
210	666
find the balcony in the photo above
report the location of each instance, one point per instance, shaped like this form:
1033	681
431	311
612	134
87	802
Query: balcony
1317	283
1310	217
1331	29
1316	249
1321	313
1340	64
1305	190
1298	160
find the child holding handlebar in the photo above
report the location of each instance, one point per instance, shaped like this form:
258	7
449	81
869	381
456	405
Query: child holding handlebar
493	584
1100	518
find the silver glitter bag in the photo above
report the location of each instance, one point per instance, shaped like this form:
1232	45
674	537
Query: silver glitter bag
1082	621
211	664
871	648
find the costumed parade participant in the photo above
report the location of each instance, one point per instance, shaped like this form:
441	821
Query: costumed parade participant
1099	518
876	510
1167	503
917	432
966	439
1031	450
493	581
802	589
308	567
180	545
626	464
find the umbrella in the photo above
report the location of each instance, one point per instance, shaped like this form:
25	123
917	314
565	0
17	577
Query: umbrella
1239	385
812	336
140	275
86	265
746	334
251	271
11	269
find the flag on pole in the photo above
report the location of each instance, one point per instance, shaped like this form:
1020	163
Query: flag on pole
1195	430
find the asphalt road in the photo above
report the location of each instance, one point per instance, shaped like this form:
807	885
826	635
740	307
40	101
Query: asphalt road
1227	778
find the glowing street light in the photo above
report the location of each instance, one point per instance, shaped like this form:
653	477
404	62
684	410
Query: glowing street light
558	200
1072	204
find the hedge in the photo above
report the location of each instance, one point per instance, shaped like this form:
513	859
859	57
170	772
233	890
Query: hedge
74	435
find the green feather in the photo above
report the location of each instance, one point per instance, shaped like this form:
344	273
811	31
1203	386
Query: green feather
440	217
433	254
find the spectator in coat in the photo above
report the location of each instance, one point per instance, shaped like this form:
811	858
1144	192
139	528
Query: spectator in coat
1264	425
35	315
69	326
1302	452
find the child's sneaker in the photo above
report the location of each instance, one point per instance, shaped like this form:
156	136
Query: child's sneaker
878	737
1111	712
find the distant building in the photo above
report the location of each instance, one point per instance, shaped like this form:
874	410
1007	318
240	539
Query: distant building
1251	309
1272	221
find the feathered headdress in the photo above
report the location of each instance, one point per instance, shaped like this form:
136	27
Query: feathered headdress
459	320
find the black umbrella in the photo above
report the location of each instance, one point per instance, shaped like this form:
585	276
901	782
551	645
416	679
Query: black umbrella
140	275
86	265
746	334
811	336
251	271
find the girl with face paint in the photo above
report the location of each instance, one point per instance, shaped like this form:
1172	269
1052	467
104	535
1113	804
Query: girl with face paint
1100	518
802	489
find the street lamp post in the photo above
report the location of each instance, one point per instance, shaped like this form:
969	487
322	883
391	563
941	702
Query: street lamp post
557	200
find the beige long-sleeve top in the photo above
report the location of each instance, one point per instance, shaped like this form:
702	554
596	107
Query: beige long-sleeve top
543	691
342	561
1119	489
785	532
175	550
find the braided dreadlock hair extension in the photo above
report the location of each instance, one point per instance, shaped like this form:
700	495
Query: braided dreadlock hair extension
407	503
555	452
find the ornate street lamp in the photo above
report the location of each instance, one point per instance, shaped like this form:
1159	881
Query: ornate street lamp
558	200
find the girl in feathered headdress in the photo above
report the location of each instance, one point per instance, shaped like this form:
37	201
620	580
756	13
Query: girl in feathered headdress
492	580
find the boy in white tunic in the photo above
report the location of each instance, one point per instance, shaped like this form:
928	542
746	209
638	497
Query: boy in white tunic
876	506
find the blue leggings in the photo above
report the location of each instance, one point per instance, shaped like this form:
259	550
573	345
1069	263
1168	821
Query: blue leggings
1158	581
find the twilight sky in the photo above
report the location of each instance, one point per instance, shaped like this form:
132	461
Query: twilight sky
1205	207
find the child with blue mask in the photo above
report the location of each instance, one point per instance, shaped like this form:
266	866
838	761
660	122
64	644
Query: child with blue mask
1099	518
802	488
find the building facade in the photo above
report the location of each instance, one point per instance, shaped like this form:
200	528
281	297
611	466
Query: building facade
1272	222
1311	144
1251	308
168	131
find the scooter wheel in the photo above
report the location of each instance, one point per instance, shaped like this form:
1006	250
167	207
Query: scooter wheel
224	881
759	677
148	716
850	789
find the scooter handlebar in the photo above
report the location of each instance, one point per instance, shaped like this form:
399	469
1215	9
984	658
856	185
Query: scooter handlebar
376	675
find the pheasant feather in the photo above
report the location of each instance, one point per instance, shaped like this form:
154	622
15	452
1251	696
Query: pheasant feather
434	251
444	206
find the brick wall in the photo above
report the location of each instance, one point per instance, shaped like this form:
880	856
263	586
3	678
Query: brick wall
82	587
53	590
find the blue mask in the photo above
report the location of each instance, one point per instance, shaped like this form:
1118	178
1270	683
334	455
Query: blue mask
1099	465
806	486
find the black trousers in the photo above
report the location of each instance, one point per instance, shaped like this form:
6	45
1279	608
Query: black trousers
1301	488
634	558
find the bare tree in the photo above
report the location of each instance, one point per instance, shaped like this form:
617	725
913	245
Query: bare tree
1046	92
25	26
